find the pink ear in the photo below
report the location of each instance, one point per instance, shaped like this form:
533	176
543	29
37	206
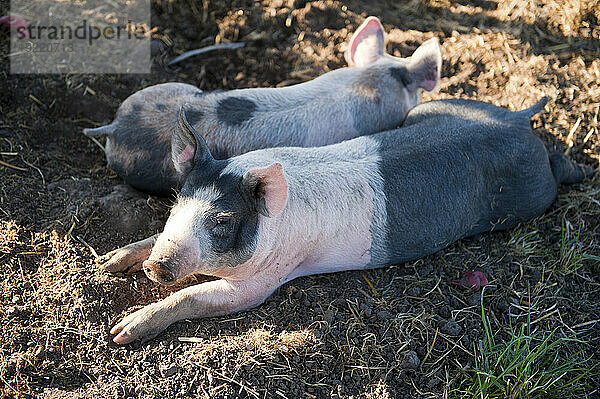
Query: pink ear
431	79
425	65
274	185
186	154
367	44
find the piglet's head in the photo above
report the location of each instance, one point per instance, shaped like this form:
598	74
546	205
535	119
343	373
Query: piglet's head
213	227
409	76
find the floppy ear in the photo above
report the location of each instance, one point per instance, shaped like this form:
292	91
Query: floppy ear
425	65
367	44
187	146
268	188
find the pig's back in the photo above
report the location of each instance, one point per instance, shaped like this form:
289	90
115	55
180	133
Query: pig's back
334	107
457	168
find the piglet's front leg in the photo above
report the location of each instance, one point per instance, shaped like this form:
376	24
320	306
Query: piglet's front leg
215	298
129	258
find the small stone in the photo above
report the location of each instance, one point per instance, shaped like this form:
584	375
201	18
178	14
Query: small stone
411	361
384	315
168	371
426	270
444	311
451	327
298	294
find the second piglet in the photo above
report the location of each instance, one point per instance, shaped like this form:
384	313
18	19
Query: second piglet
373	94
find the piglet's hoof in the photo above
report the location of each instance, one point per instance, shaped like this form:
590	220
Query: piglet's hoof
124	260
128	259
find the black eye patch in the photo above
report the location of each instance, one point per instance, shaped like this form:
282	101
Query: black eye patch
230	223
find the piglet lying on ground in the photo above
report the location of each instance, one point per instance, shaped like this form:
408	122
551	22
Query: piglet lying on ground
456	168
374	94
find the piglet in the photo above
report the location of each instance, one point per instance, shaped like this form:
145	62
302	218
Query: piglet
373	94
456	168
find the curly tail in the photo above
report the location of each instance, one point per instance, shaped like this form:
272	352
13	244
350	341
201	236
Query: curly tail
535	108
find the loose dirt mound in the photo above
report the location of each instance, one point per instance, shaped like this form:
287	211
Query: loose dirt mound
403	331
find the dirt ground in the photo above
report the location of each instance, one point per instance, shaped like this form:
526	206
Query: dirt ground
409	335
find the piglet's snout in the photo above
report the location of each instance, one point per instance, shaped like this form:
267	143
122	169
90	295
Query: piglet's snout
159	272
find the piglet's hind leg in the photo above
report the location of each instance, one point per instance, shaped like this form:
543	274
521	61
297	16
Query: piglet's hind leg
129	258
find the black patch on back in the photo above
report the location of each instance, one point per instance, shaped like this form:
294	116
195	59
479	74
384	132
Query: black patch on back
160	107
193	115
401	74
199	93
234	111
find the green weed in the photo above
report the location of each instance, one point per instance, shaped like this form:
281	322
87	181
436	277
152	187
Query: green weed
530	364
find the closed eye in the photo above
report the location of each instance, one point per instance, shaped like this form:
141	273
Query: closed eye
210	222
220	225
222	230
